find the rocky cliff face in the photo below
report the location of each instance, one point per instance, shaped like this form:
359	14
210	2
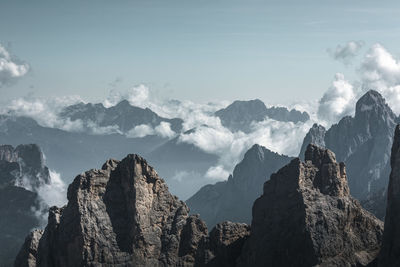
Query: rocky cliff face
306	217
390	252
124	215
22	172
240	114
316	136
232	199
363	142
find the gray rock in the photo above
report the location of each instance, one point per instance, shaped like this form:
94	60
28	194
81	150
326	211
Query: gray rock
306	217
232	200
123	215
363	142
390	252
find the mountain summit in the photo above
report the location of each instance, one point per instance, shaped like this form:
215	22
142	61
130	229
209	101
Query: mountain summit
306	217
363	142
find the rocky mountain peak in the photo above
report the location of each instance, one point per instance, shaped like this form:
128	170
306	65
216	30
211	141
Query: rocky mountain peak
373	113
123	215
303	211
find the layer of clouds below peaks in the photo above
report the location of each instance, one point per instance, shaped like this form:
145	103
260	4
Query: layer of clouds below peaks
378	69
11	69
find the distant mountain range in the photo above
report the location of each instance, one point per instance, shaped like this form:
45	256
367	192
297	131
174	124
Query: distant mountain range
232	200
240	114
123	115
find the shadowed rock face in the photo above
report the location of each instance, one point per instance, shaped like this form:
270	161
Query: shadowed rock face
390	252
22	172
121	215
306	217
232	199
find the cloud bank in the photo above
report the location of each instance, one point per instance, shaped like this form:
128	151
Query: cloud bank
10	68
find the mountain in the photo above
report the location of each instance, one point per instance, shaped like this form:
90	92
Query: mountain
232	199
124	115
363	142
22	172
390	252
124	215
306	217
240	114
175	158
70	152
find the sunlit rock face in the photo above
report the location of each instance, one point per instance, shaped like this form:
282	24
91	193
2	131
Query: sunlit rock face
124	215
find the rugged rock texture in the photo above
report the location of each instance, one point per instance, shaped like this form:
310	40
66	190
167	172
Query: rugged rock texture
123	215
363	142
22	172
240	114
306	217
316	136
390	252
123	115
226	242
232	199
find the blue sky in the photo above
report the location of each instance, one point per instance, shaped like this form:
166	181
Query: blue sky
199	50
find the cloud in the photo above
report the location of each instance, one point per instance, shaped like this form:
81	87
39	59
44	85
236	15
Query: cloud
217	173
140	131
346	53
380	71
45	111
10	68
164	130
137	96
338	101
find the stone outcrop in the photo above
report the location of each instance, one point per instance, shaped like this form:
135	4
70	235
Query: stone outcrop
232	199
124	215
22	172
390	252
306	217
363	142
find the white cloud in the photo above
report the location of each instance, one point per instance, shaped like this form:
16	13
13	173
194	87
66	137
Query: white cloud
10	69
380	71
346	53
337	102
164	130
217	173
137	96
140	131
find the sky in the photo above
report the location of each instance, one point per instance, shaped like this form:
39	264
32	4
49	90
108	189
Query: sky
204	50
